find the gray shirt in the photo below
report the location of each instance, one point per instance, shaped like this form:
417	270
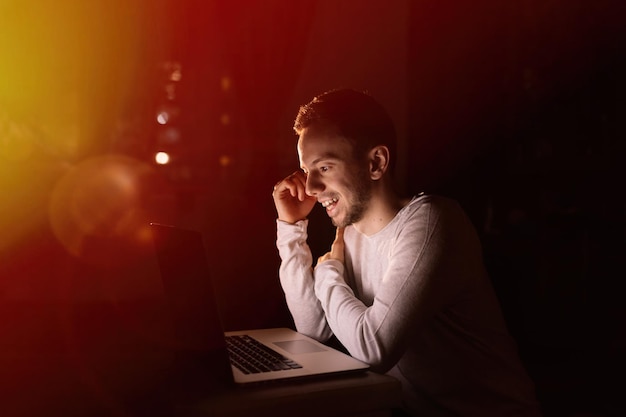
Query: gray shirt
413	300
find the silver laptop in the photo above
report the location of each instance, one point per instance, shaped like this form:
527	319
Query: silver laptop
241	357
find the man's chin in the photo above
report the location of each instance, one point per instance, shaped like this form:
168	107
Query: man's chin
339	222
335	221
343	219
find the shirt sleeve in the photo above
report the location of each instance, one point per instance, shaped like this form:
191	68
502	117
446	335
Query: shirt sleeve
296	279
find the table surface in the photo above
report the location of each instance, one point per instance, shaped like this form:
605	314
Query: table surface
362	394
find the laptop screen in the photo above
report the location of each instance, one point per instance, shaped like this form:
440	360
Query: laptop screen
197	329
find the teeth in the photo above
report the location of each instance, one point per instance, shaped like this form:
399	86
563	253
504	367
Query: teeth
329	202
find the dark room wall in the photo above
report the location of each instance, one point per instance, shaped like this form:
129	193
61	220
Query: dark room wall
518	111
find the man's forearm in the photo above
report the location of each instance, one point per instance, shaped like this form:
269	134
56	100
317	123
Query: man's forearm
296	278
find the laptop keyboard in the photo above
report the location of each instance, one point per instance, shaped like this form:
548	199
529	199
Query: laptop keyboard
251	356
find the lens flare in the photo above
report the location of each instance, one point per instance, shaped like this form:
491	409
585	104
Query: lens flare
96	208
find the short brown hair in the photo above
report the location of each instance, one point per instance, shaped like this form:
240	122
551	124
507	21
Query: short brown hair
356	115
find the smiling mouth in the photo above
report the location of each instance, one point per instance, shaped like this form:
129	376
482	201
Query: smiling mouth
328	203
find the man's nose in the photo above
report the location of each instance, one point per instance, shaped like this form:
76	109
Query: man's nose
313	185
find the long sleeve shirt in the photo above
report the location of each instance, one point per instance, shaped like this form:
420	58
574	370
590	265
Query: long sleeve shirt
413	300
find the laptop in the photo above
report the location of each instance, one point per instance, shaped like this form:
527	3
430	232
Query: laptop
199	334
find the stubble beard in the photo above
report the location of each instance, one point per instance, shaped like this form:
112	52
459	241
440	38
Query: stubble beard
355	212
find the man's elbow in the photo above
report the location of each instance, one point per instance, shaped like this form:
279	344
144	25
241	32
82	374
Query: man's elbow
382	365
378	360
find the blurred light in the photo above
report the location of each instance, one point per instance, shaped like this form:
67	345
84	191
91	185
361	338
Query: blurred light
168	135
173	70
225	160
225	119
16	140
170	91
226	83
98	202
176	75
167	112
163	117
162	158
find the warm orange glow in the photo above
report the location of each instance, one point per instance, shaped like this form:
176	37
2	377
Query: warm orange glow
81	84
226	83
67	66
225	160
99	200
16	140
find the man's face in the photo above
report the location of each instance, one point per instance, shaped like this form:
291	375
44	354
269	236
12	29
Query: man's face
335	177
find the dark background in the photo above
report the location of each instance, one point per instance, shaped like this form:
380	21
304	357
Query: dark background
517	109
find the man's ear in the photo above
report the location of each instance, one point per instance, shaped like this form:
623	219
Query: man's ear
379	161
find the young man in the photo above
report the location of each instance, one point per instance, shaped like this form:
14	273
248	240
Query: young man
403	287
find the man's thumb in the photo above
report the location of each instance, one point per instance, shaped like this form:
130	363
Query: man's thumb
339	235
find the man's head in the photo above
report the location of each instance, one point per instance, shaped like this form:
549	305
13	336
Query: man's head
345	148
353	114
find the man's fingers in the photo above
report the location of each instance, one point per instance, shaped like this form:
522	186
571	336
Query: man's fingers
323	258
299	178
295	184
337	247
339	234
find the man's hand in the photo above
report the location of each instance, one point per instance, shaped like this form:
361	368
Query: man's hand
291	201
336	250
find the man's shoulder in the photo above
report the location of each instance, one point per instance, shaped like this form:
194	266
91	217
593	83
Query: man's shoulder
432	201
432	208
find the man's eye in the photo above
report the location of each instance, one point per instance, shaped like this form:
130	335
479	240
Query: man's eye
324	169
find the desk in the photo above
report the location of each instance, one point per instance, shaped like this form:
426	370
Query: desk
361	395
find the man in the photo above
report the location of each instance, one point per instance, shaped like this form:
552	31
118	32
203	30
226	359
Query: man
403	287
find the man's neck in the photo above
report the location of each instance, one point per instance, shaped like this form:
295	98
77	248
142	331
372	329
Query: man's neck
383	207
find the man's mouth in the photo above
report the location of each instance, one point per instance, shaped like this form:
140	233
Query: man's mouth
328	203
